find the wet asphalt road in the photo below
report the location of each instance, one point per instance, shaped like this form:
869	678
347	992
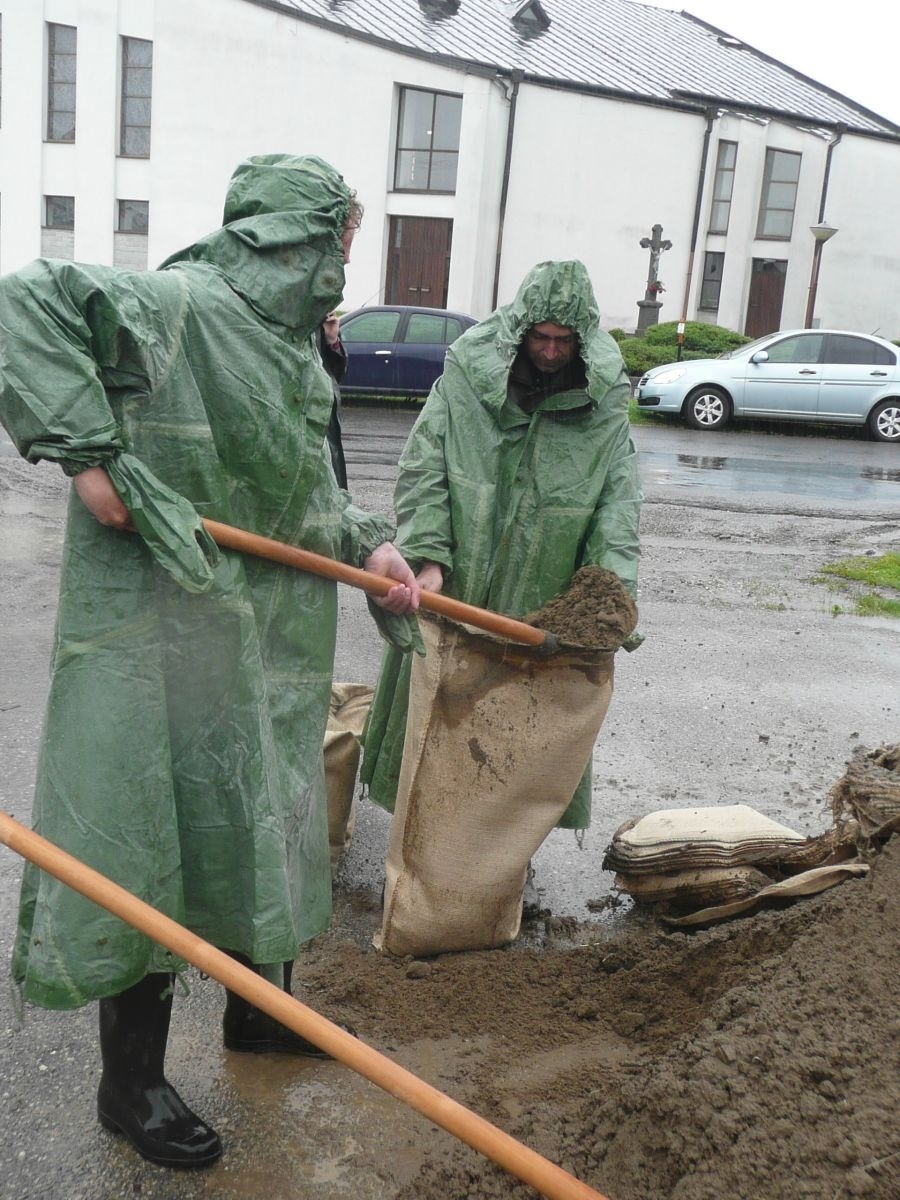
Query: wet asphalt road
748	689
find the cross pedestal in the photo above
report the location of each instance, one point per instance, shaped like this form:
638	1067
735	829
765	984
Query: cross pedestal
648	314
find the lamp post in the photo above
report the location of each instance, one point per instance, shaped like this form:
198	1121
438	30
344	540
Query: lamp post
821	232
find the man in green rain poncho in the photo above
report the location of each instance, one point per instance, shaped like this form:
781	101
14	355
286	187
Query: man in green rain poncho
519	470
182	747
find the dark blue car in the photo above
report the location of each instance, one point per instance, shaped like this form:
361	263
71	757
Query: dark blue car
397	350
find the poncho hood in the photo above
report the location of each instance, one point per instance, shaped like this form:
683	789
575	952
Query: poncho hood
280	244
560	292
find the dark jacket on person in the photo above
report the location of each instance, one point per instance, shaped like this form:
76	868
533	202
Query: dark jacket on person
334	360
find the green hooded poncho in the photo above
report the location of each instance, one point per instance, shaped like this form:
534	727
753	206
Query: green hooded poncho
181	752
512	504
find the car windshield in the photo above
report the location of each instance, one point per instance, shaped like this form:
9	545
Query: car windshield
748	347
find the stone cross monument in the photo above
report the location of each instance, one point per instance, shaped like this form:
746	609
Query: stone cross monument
648	308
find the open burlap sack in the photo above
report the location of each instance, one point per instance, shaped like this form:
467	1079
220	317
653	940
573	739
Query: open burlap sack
346	716
497	738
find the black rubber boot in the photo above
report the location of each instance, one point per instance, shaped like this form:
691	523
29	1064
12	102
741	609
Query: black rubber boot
134	1098
250	1031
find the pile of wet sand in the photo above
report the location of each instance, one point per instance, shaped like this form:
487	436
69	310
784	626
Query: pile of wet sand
595	611
754	1060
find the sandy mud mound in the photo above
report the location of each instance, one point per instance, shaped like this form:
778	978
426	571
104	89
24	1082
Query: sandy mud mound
757	1060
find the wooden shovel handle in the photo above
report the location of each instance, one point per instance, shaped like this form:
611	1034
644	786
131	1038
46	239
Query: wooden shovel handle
378	585
475	1131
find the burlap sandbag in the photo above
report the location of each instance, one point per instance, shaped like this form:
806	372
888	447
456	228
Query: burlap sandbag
346	716
497	738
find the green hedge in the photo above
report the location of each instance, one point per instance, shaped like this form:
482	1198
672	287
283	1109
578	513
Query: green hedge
660	344
698	336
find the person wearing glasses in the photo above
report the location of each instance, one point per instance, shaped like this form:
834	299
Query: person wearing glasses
519	470
182	747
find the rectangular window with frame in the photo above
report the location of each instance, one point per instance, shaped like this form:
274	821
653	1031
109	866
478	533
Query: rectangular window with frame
61	65
59	212
133	216
711	286
427	141
723	186
137	88
779	195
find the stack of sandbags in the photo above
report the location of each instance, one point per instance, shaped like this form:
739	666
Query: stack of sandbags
869	794
350	703
685	860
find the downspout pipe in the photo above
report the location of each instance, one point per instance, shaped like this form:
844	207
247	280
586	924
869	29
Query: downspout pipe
695	230
817	249
515	78
839	132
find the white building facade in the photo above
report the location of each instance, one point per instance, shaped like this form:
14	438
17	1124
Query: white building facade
122	121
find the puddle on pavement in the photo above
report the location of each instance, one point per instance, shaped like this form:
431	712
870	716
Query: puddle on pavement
702	462
749	475
332	1133
883	473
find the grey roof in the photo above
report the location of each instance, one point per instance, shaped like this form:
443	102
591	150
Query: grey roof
612	46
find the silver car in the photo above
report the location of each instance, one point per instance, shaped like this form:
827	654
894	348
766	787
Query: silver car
824	375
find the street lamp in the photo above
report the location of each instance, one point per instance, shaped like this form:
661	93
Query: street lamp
821	232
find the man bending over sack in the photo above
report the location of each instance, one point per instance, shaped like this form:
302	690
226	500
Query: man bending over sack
519	470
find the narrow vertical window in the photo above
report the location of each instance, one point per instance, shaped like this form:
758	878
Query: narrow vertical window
137	72
427	141
723	186
711	286
58	227
61	45
130	241
779	195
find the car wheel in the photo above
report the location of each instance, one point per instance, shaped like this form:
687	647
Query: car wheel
707	408
884	421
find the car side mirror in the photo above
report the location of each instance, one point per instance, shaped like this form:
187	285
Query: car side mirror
760	356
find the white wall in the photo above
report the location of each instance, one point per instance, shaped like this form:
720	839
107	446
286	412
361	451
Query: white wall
859	281
859	276
265	83
589	179
589	176
741	244
21	135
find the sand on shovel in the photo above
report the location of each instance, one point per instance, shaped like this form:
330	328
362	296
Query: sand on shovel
595	611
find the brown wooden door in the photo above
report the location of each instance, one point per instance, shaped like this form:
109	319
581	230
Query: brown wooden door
418	266
766	295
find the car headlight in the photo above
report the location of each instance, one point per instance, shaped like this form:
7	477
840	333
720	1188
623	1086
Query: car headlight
669	376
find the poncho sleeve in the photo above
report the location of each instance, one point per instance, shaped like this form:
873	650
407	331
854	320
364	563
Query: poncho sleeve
73	336
612	539
361	533
58	325
421	497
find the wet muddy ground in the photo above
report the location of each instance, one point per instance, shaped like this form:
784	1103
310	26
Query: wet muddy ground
757	1060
